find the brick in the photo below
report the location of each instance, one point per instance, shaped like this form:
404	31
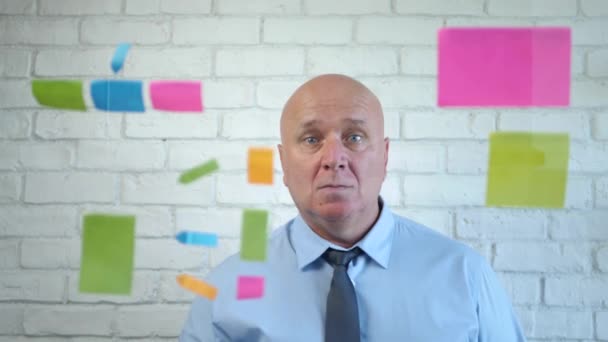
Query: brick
596	63
142	7
542	257
72	187
185	6
79	7
115	31
403	92
163	188
11	319
438	220
599	126
50	253
186	154
440	7
442	190
14	63
579	193
257	7
558	323
234	189
392	125
589	157
144	290
169	63
37	221
121	155
10	187
391	190
578	61
162	125
448	125
601	192
9	254
62	125
589	93
594	8
467	157
15	124
50	320
501	224
387	30
173	256
16	94
46	156
601	322
216	31
9	156
151	221
414	157
601	259
522	289
241	93
163	320
274	94
419	61
320	7
32	286
566	290
352	61
579	225
575	123
43	31
17	7
298	30
226	248
250	124
489	21
260	61
90	62
225	222
532	8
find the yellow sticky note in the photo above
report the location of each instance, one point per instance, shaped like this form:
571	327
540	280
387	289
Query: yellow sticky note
197	286
259	165
527	169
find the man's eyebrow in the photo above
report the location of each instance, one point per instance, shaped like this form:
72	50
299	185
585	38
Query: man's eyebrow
355	122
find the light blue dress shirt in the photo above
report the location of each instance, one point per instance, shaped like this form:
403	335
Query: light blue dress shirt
412	284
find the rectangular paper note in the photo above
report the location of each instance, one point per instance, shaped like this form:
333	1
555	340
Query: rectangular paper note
504	66
197	172
527	169
63	94
197	286
117	95
197	238
120	54
176	96
107	254
259	165
253	235
250	287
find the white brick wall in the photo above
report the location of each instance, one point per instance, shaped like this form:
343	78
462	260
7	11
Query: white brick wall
251	55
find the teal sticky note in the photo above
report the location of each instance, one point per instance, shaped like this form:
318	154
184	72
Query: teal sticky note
108	242
254	235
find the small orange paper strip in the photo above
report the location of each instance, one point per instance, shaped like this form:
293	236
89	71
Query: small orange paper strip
197	286
259	165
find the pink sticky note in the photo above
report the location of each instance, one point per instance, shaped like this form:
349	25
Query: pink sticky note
504	66
177	96
249	287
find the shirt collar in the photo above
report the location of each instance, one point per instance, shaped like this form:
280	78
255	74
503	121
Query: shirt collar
377	244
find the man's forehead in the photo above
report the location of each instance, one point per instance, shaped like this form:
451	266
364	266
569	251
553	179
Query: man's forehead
311	122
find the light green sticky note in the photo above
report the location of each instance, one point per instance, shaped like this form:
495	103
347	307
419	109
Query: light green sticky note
64	94
106	265
253	235
198	171
527	169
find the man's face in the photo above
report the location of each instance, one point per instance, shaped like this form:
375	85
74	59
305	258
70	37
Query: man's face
333	153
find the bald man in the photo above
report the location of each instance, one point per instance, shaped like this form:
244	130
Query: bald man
347	268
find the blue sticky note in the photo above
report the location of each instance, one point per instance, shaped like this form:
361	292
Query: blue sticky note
119	56
117	95
197	238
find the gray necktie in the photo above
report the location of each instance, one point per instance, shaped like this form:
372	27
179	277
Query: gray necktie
342	316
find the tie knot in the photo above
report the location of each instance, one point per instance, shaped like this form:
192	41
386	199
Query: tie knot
340	258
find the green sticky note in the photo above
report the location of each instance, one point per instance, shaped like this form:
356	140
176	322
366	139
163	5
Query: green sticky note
107	254
198	172
253	235
64	94
527	169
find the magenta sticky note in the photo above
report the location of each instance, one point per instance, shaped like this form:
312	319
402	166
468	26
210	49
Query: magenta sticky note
176	96
504	66
249	287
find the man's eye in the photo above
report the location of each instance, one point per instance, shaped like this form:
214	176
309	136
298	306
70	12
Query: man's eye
354	138
311	140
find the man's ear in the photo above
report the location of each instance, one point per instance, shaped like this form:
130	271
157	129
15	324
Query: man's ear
386	147
280	148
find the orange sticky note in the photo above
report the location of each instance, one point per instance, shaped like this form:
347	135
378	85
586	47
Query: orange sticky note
259	165
197	286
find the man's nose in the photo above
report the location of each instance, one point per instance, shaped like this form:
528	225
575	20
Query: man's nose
334	155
